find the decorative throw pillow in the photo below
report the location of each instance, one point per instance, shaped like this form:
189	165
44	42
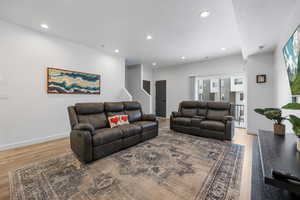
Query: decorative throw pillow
123	119
114	121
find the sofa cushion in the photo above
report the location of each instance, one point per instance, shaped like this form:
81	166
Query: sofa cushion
132	105
202	111
129	130
218	105
196	122
114	108
106	135
190	104
96	120
213	125
217	115
202	104
133	110
146	125
188	112
185	121
89	108
134	115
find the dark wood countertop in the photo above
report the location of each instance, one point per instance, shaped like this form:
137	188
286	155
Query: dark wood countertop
279	153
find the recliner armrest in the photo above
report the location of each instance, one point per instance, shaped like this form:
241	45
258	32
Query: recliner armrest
176	114
228	118
229	130
84	127
81	144
148	117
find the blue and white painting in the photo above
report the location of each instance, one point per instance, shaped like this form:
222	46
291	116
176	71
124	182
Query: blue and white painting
291	53
62	81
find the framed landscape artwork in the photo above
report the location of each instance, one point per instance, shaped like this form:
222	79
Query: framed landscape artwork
61	81
291	53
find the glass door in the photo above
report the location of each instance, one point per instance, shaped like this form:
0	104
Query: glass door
225	89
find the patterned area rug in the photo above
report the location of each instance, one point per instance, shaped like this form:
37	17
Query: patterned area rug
172	166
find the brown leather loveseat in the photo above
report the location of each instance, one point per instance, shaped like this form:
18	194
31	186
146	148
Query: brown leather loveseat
91	136
207	119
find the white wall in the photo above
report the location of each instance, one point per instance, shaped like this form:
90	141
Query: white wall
282	93
259	95
134	78
147	73
28	114
179	82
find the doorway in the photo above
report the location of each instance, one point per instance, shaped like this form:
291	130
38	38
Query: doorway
161	98
227	89
147	86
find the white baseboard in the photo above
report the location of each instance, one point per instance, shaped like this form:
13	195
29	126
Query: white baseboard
33	141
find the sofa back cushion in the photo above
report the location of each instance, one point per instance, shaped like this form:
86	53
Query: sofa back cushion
114	108
189	112
217	110
189	104
133	110
189	108
202	110
92	113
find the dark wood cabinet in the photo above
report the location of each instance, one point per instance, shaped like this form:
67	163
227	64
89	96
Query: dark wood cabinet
271	152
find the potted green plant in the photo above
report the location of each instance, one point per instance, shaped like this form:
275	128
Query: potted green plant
294	120
274	114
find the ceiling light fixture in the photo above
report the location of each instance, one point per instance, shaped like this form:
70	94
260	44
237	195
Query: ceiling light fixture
44	26
204	14
183	57
223	49
261	47
154	63
117	51
149	37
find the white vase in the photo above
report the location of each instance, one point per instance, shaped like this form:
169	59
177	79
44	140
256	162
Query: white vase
298	145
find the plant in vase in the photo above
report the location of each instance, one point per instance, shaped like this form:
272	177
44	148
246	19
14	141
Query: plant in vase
294	120
274	114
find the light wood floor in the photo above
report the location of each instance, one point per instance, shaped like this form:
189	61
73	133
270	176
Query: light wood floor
16	158
241	137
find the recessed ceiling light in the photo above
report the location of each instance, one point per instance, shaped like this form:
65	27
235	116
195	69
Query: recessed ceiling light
117	51
154	63
45	26
183	57
204	14
223	49
149	37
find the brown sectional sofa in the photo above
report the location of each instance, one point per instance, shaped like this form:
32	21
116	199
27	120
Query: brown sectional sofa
92	138
207	119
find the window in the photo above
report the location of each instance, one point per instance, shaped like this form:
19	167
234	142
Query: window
226	89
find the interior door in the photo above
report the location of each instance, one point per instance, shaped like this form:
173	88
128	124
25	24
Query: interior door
161	98
147	86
